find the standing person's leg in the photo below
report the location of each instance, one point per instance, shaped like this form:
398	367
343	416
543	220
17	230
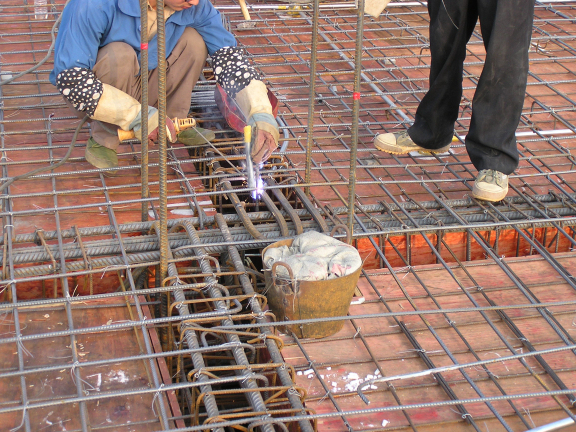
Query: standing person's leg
451	25
183	68
497	104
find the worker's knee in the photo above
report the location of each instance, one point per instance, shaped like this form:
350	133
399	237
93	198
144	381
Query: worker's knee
116	61
192	44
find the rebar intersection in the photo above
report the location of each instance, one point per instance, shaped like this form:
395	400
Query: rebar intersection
447	279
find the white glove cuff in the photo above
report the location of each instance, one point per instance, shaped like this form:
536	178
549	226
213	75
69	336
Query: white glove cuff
116	107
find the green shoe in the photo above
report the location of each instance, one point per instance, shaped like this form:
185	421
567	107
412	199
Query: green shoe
100	156
195	136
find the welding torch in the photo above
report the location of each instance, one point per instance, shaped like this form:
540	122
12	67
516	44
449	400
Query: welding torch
251	168
180	124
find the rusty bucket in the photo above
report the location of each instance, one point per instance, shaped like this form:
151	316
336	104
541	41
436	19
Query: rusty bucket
290	299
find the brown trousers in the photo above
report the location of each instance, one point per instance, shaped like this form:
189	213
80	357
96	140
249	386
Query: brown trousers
117	65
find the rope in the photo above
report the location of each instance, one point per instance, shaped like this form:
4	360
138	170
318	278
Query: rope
48	54
51	166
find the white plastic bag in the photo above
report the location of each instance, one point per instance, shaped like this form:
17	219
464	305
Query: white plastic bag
315	256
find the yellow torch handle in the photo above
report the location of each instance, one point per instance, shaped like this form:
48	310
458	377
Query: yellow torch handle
179	125
247	134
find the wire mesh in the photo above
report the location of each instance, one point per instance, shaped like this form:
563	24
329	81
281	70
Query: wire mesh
93	339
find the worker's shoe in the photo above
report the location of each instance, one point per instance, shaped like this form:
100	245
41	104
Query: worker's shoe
196	136
401	143
100	156
490	185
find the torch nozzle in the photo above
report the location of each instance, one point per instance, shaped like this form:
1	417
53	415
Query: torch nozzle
250	175
259	184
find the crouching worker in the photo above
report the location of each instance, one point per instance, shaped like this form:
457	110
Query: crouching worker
97	71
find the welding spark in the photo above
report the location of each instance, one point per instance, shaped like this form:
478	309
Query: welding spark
259	190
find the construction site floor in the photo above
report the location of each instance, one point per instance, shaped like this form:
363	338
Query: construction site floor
93	340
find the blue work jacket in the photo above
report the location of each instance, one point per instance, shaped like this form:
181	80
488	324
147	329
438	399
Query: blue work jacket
88	25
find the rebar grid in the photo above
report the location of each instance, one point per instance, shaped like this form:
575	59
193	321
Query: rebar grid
439	286
399	37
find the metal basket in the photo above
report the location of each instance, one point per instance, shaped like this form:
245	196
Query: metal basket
291	299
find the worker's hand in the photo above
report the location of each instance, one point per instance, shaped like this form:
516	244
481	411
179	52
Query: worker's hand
265	136
136	125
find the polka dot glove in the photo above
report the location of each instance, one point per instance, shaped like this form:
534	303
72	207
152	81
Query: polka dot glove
243	83
81	88
232	69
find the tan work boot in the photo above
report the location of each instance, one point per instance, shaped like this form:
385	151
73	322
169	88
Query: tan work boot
490	185
401	143
195	136
100	156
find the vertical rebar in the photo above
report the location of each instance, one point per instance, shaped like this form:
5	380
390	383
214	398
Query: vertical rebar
254	397
355	116
312	95
189	335
273	350
163	176
144	101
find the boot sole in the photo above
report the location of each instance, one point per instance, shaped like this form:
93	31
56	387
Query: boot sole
196	143
421	150
488	196
206	140
97	162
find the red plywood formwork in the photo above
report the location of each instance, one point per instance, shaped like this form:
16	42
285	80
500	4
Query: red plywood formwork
332	369
79	274
114	385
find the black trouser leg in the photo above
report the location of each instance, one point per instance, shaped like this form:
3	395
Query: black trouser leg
497	105
451	24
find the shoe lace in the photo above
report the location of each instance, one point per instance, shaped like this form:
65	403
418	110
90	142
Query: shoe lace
492	176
